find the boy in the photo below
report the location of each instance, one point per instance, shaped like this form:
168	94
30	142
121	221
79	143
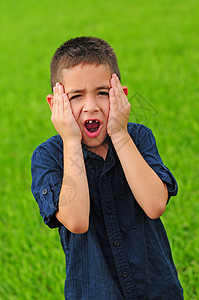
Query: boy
102	182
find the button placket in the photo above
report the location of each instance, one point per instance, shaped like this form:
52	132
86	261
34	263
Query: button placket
114	236
116	243
104	177
124	274
109	211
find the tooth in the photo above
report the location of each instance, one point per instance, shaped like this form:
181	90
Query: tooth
90	121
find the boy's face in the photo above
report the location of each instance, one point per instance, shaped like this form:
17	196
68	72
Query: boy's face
87	87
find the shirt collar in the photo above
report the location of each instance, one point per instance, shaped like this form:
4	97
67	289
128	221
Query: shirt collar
111	151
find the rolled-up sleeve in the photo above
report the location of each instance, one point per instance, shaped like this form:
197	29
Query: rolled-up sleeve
149	151
46	185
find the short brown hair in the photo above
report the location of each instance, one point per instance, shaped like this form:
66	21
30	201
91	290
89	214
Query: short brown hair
86	50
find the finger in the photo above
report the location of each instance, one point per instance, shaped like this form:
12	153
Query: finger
113	100
55	100
54	108
117	91
67	106
60	102
60	88
120	88
53	115
59	108
125	104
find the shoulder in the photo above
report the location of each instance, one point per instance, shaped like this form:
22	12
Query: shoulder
47	164
52	147
55	142
138	132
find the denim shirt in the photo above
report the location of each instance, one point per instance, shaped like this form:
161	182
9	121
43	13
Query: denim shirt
124	254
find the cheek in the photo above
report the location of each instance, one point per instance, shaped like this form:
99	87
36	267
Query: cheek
106	108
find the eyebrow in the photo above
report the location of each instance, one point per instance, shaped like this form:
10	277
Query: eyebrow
106	87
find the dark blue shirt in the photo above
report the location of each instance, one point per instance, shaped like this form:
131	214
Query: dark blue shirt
124	254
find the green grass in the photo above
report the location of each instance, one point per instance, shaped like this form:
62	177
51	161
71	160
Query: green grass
157	46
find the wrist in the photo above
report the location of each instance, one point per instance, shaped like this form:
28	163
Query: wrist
122	133
120	138
71	144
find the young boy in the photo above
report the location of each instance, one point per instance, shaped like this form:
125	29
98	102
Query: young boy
102	182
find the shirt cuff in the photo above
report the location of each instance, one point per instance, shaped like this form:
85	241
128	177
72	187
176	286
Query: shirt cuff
167	177
48	199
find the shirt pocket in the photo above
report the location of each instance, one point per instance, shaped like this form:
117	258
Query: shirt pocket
130	214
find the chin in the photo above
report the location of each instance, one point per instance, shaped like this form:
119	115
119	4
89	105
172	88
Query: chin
92	144
96	142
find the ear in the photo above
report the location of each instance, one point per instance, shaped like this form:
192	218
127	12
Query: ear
49	99
125	89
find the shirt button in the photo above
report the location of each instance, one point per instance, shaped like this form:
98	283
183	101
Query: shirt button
109	211
44	191
124	274
104	177
116	243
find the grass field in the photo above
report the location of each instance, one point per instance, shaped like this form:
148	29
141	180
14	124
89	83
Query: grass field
158	51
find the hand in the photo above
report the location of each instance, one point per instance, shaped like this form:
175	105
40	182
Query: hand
119	108
62	116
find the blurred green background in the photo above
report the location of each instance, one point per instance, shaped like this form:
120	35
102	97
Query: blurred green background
157	46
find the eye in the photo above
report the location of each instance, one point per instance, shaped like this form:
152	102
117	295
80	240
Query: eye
103	93
75	96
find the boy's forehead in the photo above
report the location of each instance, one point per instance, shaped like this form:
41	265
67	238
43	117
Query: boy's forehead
86	73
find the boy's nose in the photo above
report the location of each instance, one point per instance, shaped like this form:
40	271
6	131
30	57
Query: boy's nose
90	105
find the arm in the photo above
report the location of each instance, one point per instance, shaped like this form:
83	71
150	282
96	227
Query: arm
149	190
73	211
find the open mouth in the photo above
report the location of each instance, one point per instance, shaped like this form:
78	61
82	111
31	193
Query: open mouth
92	127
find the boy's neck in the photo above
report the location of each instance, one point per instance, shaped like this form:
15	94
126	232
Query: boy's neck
101	150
